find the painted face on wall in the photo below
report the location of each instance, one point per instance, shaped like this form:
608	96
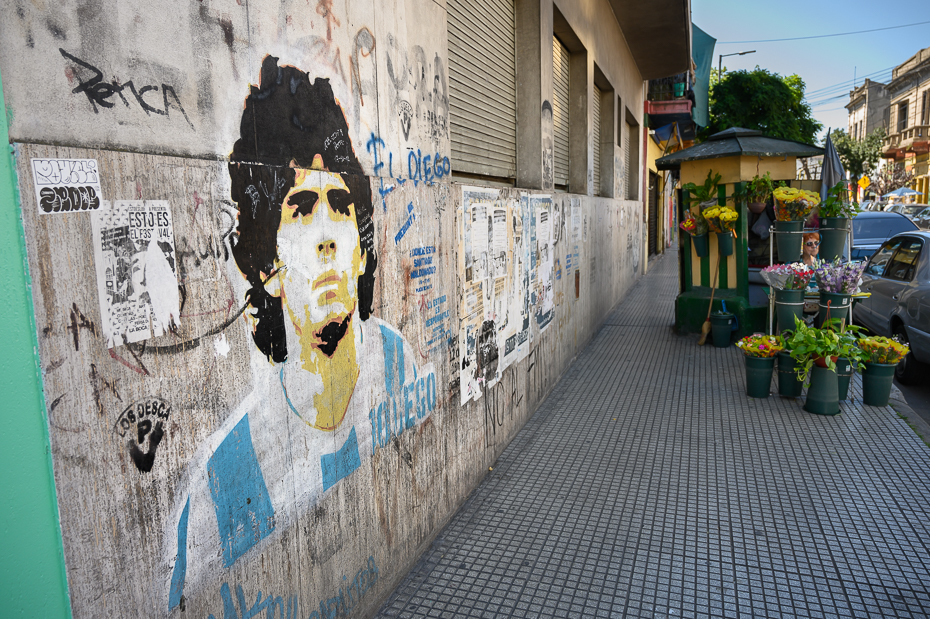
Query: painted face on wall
319	256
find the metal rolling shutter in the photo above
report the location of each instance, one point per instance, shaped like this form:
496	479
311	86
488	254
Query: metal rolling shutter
482	87
596	138
560	74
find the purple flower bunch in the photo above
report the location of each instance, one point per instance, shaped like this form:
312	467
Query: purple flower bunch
839	276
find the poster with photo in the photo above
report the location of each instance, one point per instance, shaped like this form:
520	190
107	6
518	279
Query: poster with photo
137	281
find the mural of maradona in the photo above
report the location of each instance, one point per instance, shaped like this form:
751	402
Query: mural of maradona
332	382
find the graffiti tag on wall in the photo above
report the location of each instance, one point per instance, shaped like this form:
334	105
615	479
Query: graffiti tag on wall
66	185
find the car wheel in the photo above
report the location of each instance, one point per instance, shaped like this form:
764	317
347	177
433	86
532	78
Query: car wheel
908	370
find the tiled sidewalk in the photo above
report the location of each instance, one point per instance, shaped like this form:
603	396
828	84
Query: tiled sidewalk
649	485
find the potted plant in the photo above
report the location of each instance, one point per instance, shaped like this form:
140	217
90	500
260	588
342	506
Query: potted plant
816	351
835	213
792	206
850	357
759	352
837	281
789	282
790	385
721	220
757	191
880	356
704	195
697	228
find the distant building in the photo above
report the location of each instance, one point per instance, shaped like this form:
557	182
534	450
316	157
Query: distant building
868	109
908	140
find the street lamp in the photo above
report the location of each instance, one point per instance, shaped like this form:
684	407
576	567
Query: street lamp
722	56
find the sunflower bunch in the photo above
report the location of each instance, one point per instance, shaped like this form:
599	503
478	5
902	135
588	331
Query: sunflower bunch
792	204
720	218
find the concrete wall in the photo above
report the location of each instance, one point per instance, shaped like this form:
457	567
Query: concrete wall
232	431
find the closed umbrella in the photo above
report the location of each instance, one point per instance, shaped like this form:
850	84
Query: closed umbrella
832	171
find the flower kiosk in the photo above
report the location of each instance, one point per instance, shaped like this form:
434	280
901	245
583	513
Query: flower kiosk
720	178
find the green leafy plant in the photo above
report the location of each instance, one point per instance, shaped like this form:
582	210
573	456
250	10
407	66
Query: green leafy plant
838	203
706	191
808	344
759	188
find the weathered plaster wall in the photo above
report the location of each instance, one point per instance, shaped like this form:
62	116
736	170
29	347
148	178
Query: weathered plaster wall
196	473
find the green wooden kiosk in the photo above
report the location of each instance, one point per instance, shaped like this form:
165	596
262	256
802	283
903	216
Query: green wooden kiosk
737	155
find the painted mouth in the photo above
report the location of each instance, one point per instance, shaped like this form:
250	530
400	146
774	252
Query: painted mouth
330	279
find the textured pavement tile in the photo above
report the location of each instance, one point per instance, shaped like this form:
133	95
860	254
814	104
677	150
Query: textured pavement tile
647	484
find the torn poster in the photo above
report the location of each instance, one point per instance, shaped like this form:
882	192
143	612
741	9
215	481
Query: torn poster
137	281
539	207
66	185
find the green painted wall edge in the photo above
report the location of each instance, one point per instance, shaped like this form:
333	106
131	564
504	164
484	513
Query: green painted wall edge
32	569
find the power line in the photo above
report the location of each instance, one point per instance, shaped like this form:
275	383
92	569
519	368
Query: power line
824	36
875	74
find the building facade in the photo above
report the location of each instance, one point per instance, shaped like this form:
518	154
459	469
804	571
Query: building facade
868	109
295	275
908	140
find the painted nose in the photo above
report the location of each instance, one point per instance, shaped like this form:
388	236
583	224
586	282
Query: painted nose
326	250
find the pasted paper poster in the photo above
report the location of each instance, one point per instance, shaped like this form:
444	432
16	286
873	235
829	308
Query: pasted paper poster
494	331
543	297
137	280
66	185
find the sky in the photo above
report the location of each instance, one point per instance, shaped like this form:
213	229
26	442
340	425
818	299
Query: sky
829	66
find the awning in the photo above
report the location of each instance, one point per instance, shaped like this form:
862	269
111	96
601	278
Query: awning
737	141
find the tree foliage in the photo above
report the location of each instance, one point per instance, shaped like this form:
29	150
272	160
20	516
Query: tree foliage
889	178
762	100
859	156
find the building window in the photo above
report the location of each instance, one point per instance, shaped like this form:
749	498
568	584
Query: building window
902	116
561	82
631	156
596	138
482	87
925	108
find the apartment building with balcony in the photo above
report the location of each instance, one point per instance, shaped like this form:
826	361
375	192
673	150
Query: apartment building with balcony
908	140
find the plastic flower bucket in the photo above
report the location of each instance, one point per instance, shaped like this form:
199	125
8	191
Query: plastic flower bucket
823	393
788	305
789	385
759	376
701	245
833	233
838	304
876	383
788	240
844	372
721	328
725	243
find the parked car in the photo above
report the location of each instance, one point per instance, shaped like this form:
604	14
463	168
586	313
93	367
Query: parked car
897	277
871	229
922	219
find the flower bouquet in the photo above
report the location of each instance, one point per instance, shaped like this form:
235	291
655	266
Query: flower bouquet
795	276
839	276
883	350
695	226
757	345
837	281
759	354
794	204
720	218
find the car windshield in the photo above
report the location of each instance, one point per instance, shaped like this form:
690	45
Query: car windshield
881	227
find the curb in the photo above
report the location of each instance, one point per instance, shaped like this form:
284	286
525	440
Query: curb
917	423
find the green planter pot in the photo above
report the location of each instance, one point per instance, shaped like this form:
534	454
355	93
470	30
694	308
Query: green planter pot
721	326
759	376
701	245
725	243
789	385
876	383
788	305
833	234
844	374
789	245
838	304
823	393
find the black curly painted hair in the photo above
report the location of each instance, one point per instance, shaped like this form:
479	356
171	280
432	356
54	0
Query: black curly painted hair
289	118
